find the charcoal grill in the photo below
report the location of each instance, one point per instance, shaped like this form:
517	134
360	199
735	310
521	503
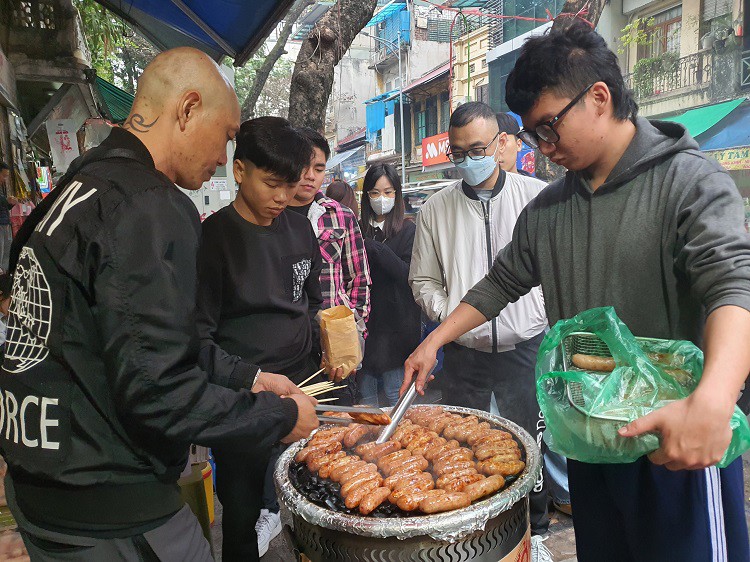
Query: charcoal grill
495	529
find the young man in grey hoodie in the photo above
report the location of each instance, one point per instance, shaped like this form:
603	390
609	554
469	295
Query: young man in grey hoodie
645	223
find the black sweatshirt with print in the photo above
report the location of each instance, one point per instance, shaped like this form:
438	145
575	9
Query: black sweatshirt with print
259	291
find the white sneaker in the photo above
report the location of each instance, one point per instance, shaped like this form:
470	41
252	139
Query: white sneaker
268	528
539	552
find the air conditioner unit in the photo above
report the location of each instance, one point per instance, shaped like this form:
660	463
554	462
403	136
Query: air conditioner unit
422	23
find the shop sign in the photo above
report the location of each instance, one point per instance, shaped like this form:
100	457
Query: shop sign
732	158
435	150
63	142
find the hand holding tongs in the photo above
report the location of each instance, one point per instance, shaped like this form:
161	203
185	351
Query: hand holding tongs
398	411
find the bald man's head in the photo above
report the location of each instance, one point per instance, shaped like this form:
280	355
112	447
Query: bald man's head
185	111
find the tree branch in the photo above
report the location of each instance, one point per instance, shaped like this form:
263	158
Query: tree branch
262	74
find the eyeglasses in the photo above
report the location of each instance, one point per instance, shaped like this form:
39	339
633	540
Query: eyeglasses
458	156
546	131
387	193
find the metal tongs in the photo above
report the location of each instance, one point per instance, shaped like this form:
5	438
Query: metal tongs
344	409
398	411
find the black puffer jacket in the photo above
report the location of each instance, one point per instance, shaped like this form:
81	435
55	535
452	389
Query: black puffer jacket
100	369
394	324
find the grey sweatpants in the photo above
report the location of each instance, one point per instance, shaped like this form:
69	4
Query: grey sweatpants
180	539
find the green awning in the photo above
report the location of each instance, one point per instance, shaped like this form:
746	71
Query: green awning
118	101
698	121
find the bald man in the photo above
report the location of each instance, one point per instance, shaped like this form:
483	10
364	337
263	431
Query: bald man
100	392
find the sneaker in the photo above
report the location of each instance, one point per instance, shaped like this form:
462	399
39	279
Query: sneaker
563	508
539	552
268	528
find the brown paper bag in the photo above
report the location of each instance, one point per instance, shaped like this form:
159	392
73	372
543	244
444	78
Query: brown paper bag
339	339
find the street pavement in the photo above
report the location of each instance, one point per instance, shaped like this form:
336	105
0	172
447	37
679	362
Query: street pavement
560	541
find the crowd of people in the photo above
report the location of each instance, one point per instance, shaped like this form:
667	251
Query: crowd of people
137	331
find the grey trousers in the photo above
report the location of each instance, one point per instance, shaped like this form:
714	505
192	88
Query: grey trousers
180	539
6	239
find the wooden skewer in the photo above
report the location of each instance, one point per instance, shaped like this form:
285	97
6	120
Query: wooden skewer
309	389
326	390
327	400
311	377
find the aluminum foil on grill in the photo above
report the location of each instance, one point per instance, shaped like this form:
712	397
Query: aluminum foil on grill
449	526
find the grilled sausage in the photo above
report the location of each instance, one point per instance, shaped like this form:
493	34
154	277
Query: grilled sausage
357	471
390	457
439	424
496	436
463	432
361	450
478	434
319	449
492	449
506	454
327	470
452	431
436	452
337	432
443	480
446	502
357	482
421	440
354	434
314	464
410	502
378	451
504	468
387	465
406	464
452	467
458	483
372	500
434	442
485	487
593	363
413	435
336	474
453	454
392	481
352	500
420	481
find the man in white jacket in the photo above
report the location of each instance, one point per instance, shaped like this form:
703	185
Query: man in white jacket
459	231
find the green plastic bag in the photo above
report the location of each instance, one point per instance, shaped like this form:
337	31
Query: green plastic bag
584	409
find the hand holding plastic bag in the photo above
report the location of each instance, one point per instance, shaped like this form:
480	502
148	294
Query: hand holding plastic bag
585	409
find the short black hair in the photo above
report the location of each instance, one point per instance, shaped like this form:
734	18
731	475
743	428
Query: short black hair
316	139
4	166
507	124
272	144
470	111
564	62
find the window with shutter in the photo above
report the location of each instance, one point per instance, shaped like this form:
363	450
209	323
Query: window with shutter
712	9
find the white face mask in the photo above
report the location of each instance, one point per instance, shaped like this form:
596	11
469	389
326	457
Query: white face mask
383	205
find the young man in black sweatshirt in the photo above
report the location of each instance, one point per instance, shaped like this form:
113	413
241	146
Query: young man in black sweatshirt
259	292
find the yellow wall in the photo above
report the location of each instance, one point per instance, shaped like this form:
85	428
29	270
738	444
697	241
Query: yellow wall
478	44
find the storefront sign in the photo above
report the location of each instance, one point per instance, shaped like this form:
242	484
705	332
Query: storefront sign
732	158
434	150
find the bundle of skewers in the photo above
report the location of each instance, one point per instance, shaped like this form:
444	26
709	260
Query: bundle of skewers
319	388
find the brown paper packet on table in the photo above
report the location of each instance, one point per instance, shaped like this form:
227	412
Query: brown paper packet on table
340	339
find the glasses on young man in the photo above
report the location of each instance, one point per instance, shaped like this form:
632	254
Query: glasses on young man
387	193
546	131
476	153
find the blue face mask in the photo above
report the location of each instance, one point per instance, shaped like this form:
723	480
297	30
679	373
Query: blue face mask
474	172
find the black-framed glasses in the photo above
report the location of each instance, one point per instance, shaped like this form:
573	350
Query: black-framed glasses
477	153
546	131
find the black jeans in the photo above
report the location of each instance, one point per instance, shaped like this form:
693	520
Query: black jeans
472	376
240	480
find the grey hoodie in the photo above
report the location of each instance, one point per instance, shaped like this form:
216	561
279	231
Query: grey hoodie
662	240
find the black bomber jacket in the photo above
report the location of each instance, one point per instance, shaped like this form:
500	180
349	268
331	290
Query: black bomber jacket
100	390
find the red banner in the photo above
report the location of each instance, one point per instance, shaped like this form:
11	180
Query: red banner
434	150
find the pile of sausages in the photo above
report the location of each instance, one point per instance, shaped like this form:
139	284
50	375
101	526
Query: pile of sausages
424	467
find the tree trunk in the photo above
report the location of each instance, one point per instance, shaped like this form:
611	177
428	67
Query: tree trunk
322	50
593	12
262	74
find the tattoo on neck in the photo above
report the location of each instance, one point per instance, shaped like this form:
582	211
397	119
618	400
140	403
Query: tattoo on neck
137	122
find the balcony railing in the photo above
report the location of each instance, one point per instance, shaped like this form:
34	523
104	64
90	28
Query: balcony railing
745	70
664	74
